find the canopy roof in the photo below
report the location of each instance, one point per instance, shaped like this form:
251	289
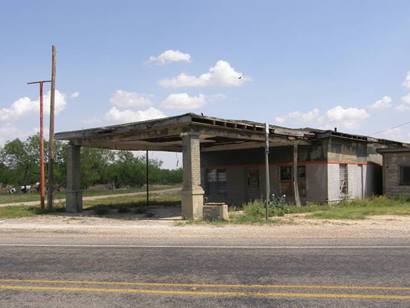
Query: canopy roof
216	134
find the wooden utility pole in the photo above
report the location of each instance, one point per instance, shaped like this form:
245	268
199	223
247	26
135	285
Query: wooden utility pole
42	172
51	144
295	174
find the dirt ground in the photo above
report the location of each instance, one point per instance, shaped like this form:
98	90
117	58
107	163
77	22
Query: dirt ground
98	197
295	226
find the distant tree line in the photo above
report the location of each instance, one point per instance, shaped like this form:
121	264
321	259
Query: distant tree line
19	165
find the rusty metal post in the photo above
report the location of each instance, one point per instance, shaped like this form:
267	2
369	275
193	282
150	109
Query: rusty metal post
42	172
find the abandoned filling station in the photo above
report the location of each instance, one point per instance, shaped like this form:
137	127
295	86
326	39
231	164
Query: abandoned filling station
224	160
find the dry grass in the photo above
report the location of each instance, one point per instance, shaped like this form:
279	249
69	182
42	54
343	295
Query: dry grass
118	204
356	209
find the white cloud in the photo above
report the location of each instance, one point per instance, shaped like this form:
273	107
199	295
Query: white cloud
395	134
339	116
115	115
406	82
126	107
305	117
405	105
383	103
25	106
301	118
170	56
346	117
183	101
298	118
221	74
125	99
280	120
75	94
9	132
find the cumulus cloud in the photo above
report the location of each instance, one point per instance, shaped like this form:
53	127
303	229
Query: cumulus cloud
348	118
170	56
406	82
280	120
75	94
383	103
9	132
126	107
299	118
115	115
221	74
125	99
395	134
25	106
405	103
183	101
305	117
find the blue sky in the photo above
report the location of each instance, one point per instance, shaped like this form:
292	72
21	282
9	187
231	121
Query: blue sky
302	63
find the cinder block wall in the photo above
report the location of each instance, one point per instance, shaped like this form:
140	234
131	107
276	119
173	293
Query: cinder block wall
333	189
391	173
363	165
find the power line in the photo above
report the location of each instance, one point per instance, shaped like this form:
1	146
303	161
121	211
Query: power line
397	126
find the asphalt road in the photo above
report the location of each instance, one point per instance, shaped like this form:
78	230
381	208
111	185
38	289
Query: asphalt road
108	273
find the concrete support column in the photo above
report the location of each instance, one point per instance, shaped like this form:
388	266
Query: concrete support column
192	193
74	198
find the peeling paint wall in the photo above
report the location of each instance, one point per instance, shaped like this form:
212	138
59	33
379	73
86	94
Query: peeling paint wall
321	161
316	183
242	165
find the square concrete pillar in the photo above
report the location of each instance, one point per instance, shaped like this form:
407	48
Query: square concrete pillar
192	193
74	198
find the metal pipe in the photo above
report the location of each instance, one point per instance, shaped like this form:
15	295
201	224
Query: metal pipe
267	177
42	171
147	176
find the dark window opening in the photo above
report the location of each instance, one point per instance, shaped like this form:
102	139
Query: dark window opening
253	191
286	173
404	175
286	180
253	178
216	181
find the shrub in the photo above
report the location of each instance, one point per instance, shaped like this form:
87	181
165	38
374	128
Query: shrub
124	209
254	212
101	210
140	210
